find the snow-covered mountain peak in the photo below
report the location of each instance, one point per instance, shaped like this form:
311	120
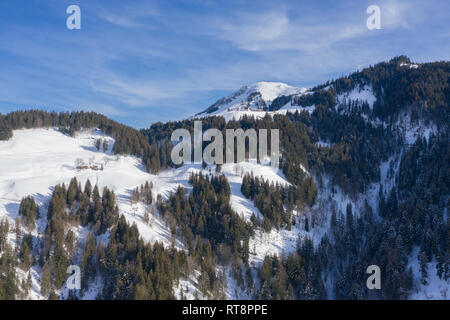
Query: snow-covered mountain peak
254	97
269	91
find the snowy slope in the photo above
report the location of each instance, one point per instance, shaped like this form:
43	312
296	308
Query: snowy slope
234	174
292	108
36	160
250	100
435	289
364	94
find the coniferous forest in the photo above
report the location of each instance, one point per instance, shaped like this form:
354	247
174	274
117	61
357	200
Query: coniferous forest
342	147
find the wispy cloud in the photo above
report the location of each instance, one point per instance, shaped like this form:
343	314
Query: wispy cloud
129	16
275	30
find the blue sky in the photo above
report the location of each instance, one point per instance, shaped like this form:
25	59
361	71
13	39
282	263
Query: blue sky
145	61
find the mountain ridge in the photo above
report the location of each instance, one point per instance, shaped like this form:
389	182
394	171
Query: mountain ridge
257	96
362	180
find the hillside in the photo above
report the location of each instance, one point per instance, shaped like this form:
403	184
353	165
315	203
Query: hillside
364	179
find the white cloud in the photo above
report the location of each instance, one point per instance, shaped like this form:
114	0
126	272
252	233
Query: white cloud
120	20
261	27
395	14
274	30
129	16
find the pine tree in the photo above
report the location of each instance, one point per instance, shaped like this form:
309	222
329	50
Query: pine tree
105	146
46	284
28	210
423	260
98	144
